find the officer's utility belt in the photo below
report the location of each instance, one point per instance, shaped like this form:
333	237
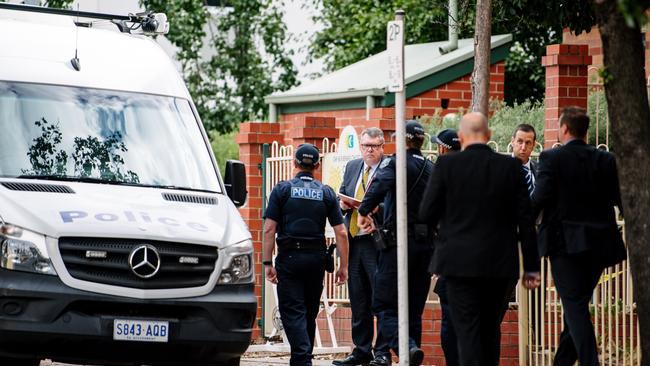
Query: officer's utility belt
301	244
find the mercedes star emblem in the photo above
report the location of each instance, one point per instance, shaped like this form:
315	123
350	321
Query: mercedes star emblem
144	261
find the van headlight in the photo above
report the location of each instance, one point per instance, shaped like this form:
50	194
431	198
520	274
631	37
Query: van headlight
23	250
238	263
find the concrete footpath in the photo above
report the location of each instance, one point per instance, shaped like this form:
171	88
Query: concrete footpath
247	360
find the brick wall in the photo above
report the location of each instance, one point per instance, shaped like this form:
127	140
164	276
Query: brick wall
430	335
592	40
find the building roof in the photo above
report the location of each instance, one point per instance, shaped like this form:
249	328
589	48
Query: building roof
369	77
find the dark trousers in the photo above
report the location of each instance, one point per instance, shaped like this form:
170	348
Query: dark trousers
300	285
576	277
448	338
477	308
362	265
385	298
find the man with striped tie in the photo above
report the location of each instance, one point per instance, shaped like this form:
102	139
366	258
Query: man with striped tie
362	263
523	143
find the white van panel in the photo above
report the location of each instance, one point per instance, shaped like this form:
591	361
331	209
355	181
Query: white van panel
109	59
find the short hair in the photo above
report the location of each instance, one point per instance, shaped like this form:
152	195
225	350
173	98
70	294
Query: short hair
374	132
525	127
576	120
415	142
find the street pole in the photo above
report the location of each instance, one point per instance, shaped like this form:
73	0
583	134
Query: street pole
396	30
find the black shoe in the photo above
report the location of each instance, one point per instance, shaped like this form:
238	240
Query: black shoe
416	356
351	360
381	360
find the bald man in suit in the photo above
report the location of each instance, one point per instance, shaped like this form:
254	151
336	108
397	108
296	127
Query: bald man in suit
483	213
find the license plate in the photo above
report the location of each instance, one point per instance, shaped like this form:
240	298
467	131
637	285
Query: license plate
140	330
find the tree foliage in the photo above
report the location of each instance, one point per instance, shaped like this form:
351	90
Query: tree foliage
354	30
247	61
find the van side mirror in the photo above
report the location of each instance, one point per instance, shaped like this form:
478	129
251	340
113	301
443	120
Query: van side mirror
235	182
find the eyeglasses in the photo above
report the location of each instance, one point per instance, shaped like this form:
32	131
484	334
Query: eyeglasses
371	146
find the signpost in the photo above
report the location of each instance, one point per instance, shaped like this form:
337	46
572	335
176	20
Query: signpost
395	47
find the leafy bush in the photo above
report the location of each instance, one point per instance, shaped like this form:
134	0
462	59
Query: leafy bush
225	148
503	121
506	118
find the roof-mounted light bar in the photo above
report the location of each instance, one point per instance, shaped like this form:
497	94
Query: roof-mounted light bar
149	22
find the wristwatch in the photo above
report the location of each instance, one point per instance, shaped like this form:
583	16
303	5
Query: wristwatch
267	263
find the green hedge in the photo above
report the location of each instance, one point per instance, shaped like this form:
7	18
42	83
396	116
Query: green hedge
224	147
505	118
503	121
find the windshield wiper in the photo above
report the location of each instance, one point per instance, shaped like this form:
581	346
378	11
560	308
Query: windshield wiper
177	188
68	178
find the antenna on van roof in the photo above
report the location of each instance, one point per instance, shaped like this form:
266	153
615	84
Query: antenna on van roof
76	63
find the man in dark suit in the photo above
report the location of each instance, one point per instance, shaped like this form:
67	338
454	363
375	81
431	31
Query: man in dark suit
577	189
448	142
523	144
362	262
484	213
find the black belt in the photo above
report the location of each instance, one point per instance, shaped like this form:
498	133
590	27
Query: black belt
302	245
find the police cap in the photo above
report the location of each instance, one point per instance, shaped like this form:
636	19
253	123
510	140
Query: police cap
447	138
414	129
307	155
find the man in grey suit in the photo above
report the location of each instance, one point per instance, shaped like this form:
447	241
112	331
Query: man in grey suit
363	255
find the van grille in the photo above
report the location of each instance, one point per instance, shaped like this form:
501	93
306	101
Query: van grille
36	187
188	198
181	265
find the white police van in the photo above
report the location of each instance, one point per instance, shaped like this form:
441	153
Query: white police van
120	243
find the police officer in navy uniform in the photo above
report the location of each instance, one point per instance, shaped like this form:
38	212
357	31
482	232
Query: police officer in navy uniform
382	189
296	212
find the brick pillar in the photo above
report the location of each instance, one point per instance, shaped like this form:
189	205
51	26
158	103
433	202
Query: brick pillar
313	130
251	137
566	84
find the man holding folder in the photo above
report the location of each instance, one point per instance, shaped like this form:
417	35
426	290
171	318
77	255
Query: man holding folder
363	255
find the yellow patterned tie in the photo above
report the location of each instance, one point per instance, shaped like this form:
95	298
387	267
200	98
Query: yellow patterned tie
361	190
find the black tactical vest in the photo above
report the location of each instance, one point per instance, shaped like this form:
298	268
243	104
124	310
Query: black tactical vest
305	212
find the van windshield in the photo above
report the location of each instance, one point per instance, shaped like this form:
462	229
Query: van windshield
71	133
